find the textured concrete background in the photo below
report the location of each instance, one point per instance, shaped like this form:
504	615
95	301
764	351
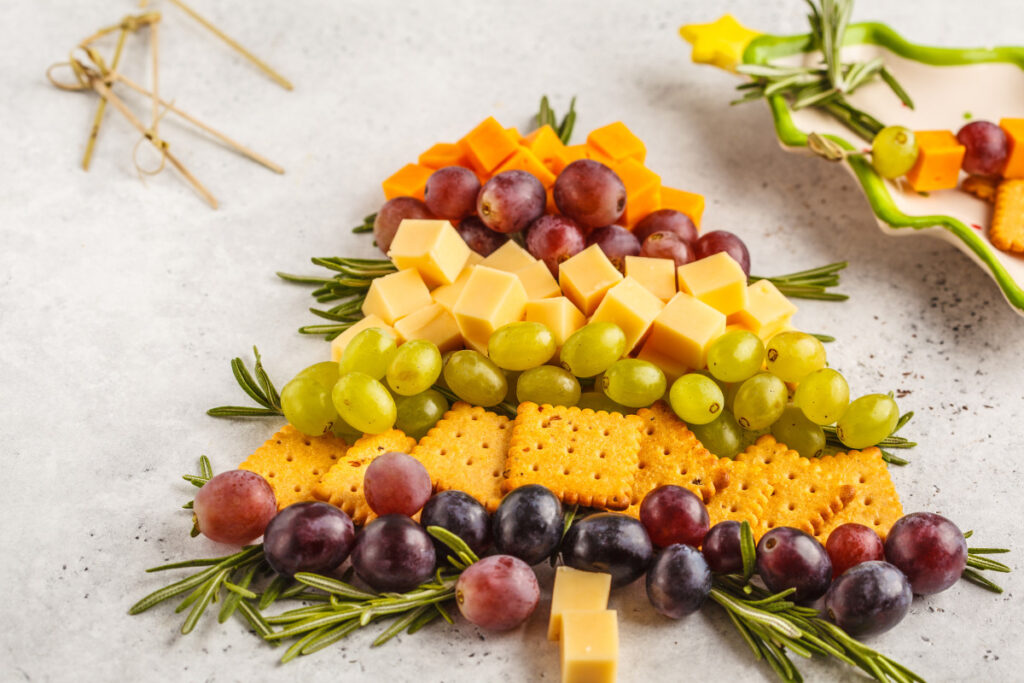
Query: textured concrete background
122	302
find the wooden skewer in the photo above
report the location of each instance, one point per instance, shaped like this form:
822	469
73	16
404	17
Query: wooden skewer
154	51
101	106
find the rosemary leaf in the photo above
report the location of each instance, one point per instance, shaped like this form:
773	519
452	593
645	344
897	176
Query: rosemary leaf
260	389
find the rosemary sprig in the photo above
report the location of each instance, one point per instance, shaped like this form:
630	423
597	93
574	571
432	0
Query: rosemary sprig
260	389
198	480
890	442
977	563
546	117
808	284
366	225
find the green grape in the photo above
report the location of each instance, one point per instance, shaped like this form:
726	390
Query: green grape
548	384
633	383
735	356
749	437
521	346
511	379
307	406
799	433
722	436
793	355
418	414
364	403
591	349
894	151
370	352
729	392
760	401
868	420
325	373
414	367
475	379
345	431
696	399
596	401
823	396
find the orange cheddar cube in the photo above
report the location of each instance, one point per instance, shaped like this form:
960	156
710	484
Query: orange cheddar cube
617	142
444	154
575	153
1014	129
547	146
489	144
939	157
643	193
684	202
525	160
598	155
408	181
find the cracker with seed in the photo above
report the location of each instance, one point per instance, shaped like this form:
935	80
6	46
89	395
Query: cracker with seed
466	451
743	496
342	485
1007	229
293	463
582	456
874	501
982	187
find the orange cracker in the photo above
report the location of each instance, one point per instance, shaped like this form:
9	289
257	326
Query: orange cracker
581	456
466	451
743	497
342	485
293	463
874	502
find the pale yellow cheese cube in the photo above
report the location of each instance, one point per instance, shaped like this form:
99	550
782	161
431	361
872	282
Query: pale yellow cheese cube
339	343
558	314
447	295
586	277
490	299
537	280
433	323
432	247
590	646
509	257
475	258
658	275
394	296
685	328
576	590
669	364
630	306
767	309
717	280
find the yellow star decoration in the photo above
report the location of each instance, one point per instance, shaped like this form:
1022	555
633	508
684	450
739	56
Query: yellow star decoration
720	43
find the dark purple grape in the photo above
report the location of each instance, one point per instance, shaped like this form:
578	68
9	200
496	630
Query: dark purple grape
667	245
678	581
498	593
790	558
528	524
391	215
479	237
554	239
308	537
667	220
609	542
722	548
672	514
850	544
234	507
590	193
510	201
987	148
460	514
929	549
869	598
719	240
451	192
393	554
396	483
616	242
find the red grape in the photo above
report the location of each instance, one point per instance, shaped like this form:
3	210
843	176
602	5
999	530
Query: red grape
497	593
590	193
460	514
234	507
451	192
667	220
929	549
616	242
672	514
720	240
308	537
667	245
510	201
396	483
790	558
722	548
554	239
479	237
987	148
393	554
850	544
868	599
391	215
678	581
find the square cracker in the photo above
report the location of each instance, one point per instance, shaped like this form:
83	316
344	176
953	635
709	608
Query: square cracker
293	463
581	456
874	503
342	485
466	451
743	497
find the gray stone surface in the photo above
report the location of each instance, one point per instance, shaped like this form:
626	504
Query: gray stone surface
122	301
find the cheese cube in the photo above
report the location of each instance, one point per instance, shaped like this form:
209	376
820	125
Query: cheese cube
684	202
339	343
407	181
432	247
1014	129
490	299
443	154
509	257
548	147
537	280
657	275
575	153
526	160
670	365
590	646
447	295
489	144
558	314
717	280
433	323
939	157
586	277
630	306
394	296
767	309
576	590
684	329
643	190
618	142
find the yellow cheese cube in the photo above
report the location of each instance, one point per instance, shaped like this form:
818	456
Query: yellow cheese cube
586	277
490	299
447	295
432	247
657	275
474	259
339	343
509	257
433	323
590	646
767	309
558	314
684	329
537	280
717	280
396	295
630	306
576	590
670	365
